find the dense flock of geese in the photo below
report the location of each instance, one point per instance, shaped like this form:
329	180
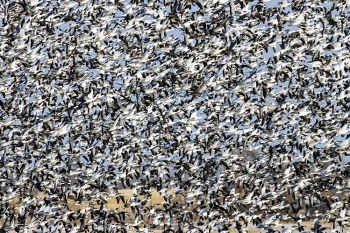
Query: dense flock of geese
236	112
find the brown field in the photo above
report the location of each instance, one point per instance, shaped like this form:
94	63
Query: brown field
155	199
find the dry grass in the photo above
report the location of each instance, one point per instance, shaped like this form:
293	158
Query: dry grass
155	199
